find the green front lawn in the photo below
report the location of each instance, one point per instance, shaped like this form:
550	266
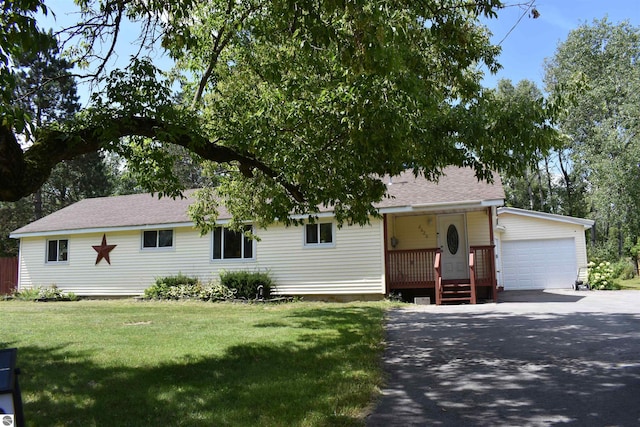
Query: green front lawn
127	363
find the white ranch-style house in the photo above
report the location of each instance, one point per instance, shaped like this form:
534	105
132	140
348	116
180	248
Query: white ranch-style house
451	241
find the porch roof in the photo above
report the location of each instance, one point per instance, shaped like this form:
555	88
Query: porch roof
457	188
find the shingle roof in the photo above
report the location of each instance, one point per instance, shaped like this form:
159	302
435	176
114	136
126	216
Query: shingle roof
457	185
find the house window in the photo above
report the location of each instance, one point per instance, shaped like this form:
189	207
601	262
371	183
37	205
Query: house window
231	244
157	239
318	234
57	250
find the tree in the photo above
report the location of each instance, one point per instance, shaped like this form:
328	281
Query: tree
46	91
598	67
13	216
303	104
524	189
549	184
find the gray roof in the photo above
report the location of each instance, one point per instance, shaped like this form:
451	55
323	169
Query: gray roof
586	223
457	185
139	210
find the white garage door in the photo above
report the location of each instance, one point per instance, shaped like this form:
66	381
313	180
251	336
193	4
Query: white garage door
539	264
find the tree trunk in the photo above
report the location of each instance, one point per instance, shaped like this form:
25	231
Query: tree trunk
37	204
549	188
529	189
541	192
567	184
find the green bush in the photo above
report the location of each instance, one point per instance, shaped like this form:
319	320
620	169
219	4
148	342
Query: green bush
184	287
245	283
601	276
50	293
173	287
216	292
31	294
623	269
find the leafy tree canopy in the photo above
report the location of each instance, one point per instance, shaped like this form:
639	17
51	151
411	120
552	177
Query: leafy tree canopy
300	104
602	125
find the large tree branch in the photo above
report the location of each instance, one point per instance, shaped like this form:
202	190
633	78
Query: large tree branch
24	172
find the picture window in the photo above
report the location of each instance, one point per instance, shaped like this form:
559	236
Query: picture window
231	244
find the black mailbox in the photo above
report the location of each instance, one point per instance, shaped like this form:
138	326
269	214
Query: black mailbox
10	398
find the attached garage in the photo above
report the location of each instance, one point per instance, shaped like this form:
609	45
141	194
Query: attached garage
539	250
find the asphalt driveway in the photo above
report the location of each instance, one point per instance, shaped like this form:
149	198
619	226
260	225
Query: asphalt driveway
569	358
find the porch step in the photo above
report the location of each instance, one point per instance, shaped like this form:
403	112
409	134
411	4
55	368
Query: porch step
456	293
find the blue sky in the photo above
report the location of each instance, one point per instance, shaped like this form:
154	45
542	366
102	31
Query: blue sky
532	40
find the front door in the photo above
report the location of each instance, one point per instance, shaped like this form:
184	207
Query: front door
452	238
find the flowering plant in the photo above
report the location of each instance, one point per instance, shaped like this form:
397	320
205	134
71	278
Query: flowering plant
601	276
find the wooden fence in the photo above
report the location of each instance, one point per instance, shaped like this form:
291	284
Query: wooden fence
8	275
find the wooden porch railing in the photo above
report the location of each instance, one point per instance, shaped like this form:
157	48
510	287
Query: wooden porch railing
472	275
421	268
411	269
482	269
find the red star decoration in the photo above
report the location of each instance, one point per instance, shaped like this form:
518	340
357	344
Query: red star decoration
103	250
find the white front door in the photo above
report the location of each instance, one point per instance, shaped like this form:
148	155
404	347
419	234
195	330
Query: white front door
452	238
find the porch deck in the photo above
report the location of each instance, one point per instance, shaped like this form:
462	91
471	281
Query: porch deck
421	269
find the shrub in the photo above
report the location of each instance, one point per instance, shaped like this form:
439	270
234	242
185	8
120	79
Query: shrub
184	287
601	276
623	269
28	294
217	292
173	287
50	293
246	283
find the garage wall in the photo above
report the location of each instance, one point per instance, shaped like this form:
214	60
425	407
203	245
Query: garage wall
538	253
518	227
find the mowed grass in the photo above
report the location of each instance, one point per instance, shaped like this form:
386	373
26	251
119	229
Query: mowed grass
128	363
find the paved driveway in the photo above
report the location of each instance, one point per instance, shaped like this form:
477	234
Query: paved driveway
536	359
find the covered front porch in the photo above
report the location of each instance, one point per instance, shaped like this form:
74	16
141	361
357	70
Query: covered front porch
446	256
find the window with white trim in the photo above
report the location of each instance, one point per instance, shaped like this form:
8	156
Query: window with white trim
319	234
58	250
152	239
231	244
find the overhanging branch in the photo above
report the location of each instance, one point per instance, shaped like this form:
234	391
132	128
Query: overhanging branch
24	172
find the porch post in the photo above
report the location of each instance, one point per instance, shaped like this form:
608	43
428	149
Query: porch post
386	254
494	276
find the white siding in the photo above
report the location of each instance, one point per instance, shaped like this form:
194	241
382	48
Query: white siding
354	265
478	228
131	271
